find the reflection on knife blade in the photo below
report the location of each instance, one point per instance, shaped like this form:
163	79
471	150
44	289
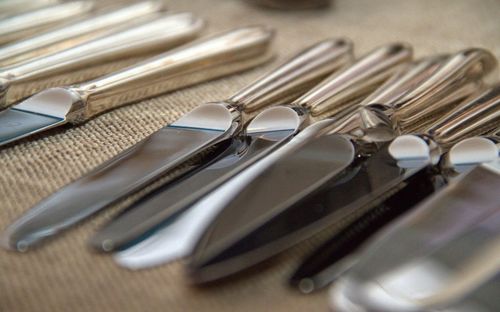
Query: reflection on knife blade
335	256
76	103
225	247
156	154
197	131
264	133
442	256
332	258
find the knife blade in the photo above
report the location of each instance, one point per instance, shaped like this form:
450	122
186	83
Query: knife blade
163	32
79	31
418	181
28	23
442	256
265	132
197	131
178	237
338	254
241	234
133	168
335	256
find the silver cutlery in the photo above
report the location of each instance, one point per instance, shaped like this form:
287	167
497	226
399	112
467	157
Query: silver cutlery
28	23
202	128
265	132
163	33
81	30
261	221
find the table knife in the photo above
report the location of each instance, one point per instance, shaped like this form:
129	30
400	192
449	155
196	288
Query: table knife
163	33
261	221
25	24
418	181
196	131
443	256
177	237
76	32
265	132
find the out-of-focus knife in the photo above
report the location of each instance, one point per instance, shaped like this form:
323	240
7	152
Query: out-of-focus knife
79	31
12	7
419	181
443	256
196	131
25	24
265	132
163	33
202	60
263	219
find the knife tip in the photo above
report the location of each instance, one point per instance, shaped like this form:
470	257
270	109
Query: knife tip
6	243
306	285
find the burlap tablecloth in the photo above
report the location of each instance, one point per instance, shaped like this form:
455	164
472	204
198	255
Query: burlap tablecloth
65	275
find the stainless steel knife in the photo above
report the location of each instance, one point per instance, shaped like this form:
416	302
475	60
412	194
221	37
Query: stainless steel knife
263	220
28	23
443	256
411	156
79	31
163	33
265	132
178	236
198	130
217	56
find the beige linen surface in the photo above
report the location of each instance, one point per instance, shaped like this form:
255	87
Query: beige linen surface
65	275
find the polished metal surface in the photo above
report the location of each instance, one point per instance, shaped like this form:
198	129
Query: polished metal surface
359	79
379	182
419	95
25	24
461	74
163	32
194	132
14	123
156	154
438	257
300	73
125	173
164	208
82	30
214	57
225	246
477	116
262	135
324	153
408	151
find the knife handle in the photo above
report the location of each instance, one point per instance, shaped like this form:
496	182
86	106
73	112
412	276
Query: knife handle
202	60
26	24
342	88
388	95
370	121
476	116
296	75
455	79
82	30
163	33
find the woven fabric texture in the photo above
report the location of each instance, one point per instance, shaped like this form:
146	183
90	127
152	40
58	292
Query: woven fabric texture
65	275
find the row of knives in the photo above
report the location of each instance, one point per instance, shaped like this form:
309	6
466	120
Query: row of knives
379	141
